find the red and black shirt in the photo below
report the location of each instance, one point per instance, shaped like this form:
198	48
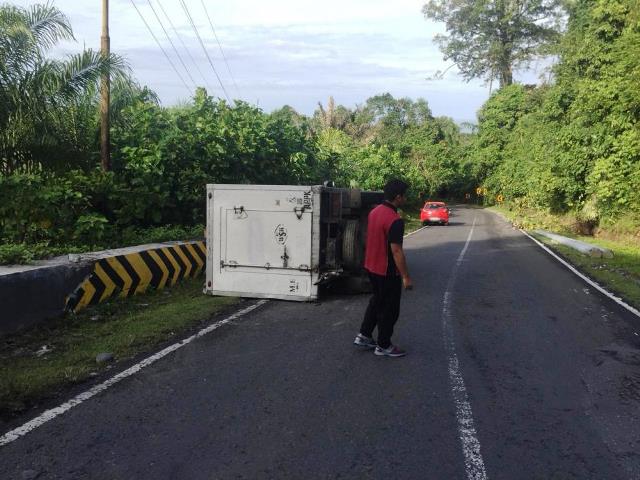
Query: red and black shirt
385	227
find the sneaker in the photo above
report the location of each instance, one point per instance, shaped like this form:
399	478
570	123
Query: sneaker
364	341
392	351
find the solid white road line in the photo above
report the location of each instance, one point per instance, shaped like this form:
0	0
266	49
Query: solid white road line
74	402
415	231
474	464
595	285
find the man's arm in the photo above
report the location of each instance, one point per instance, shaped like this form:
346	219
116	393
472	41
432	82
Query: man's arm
401	264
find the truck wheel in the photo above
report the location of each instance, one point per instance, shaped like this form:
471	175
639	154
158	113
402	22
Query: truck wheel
351	251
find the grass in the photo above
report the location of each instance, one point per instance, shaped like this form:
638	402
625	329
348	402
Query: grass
38	364
620	274
411	217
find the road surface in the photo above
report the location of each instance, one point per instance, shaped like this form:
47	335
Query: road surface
516	370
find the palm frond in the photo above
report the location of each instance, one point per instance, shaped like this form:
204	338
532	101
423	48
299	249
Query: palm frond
16	42
25	34
48	25
82	70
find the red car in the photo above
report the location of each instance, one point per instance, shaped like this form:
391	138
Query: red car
434	212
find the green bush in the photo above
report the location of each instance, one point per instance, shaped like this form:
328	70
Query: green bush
15	254
91	228
133	236
573	145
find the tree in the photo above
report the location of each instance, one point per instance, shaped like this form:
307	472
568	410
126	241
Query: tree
37	94
330	117
489	39
288	114
572	146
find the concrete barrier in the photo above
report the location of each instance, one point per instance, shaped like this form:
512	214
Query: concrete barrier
32	294
582	247
131	271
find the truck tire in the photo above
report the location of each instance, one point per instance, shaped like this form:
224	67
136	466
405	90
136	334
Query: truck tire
351	245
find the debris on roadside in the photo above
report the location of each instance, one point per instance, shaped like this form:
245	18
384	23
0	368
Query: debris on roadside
43	351
104	357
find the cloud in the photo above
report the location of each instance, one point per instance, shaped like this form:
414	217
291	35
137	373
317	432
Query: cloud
292	52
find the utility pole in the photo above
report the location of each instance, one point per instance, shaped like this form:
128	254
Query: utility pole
105	141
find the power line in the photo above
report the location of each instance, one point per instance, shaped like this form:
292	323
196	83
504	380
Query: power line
175	30
220	45
172	45
195	29
160	45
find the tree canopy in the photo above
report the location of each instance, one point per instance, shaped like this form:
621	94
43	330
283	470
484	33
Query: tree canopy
489	39
573	145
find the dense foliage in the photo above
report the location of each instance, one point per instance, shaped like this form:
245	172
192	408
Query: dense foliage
573	145
54	197
570	146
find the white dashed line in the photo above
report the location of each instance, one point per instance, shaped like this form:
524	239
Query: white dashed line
474	464
74	402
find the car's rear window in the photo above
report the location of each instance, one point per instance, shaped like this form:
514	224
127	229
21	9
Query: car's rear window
434	206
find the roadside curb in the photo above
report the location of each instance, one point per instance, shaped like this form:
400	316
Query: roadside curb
582	247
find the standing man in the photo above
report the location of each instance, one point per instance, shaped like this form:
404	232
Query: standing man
387	267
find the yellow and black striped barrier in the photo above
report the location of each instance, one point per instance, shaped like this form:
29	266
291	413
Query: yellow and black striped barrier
133	273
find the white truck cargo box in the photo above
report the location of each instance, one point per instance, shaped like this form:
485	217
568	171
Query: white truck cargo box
262	241
281	241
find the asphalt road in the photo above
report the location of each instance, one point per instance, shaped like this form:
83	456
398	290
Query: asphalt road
548	368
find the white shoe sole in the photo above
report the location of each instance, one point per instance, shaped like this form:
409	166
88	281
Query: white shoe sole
392	355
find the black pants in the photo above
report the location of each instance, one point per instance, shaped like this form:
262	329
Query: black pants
383	309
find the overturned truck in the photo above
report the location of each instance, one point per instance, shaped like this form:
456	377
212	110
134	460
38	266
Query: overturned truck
275	241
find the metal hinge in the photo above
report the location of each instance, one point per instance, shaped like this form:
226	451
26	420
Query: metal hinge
299	211
240	212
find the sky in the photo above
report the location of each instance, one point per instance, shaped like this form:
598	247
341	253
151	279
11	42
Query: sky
281	52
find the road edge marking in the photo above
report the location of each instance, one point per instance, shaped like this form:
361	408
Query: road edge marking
588	280
415	231
474	463
50	414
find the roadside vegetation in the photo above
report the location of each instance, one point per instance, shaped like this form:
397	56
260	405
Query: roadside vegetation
411	217
54	197
37	364
568	147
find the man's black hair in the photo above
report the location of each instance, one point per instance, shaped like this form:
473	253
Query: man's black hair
393	188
